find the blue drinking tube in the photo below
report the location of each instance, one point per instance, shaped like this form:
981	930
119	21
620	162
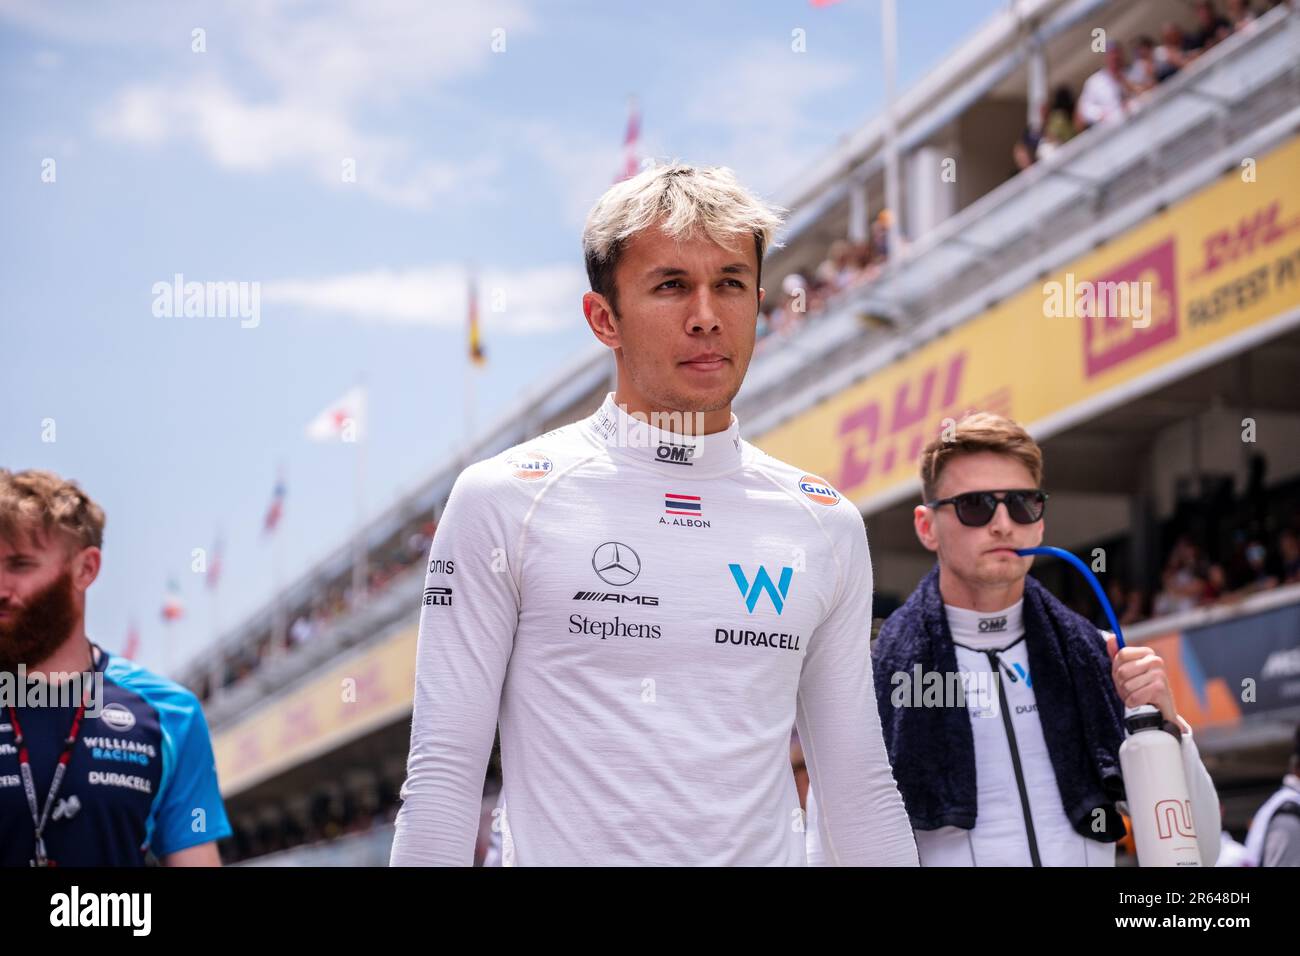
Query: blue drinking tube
1092	579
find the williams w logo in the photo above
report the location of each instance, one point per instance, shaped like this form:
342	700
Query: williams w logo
1019	669
1174	817
762	582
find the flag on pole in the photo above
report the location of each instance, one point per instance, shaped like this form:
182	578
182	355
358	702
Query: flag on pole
477	355
631	139
132	641
276	508
214	566
341	420
173	608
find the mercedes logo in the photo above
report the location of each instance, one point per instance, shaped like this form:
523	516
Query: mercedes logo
616	563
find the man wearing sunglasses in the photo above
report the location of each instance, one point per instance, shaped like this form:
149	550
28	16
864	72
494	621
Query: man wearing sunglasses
1019	767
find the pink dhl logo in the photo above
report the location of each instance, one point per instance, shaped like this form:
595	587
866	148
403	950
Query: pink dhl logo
1110	338
248	751
1261	228
874	433
299	724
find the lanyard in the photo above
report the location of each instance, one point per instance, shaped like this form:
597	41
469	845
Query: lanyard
41	817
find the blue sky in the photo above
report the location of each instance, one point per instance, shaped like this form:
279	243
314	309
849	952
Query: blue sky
226	165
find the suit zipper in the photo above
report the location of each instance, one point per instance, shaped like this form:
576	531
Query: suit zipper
1015	759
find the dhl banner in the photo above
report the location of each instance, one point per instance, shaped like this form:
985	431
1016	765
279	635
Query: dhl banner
1187	283
349	699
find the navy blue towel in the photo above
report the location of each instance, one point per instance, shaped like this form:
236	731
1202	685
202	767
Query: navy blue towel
932	749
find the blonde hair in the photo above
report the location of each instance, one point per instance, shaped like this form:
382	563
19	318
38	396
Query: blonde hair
979	431
41	499
684	201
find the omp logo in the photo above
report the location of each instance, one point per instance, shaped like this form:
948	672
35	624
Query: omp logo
675	454
818	490
992	624
762	582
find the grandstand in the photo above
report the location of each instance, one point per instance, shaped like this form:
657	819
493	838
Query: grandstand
1193	191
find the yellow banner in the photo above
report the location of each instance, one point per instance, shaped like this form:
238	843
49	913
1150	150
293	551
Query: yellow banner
347	700
1218	263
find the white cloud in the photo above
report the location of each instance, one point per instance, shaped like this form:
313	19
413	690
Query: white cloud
304	135
528	301
295	85
362	53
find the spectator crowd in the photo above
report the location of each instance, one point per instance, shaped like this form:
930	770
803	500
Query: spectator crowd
1117	88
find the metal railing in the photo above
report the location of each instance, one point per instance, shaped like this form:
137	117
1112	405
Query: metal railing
1240	96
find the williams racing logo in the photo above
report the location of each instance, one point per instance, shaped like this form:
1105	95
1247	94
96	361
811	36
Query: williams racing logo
776	591
121	750
437	597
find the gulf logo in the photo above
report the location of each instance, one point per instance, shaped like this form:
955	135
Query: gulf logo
818	490
529	466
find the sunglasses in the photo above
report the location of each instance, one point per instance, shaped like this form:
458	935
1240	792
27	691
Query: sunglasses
976	508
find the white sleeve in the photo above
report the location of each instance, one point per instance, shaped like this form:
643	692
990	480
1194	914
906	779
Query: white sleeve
1205	799
860	815
465	638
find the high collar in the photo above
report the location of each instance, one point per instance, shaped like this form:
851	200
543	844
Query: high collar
986	629
668	450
